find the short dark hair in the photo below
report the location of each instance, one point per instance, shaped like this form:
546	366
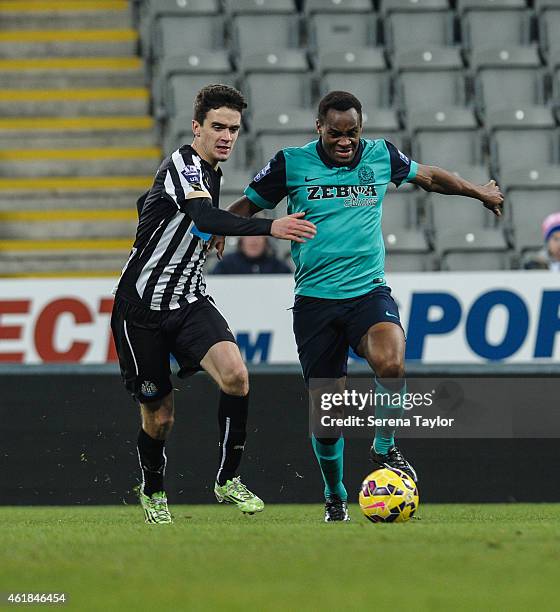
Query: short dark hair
216	96
340	101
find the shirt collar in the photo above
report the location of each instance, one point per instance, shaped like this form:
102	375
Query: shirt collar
329	162
208	166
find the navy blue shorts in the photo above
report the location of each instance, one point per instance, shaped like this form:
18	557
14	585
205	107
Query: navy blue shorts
325	329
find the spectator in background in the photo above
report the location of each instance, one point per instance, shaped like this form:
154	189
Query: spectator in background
549	257
254	256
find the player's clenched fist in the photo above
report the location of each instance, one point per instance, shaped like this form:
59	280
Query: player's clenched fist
293	227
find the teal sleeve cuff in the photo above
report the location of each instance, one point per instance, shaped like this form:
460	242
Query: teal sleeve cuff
413	171
257	199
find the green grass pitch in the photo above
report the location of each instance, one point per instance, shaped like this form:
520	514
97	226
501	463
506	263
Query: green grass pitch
457	557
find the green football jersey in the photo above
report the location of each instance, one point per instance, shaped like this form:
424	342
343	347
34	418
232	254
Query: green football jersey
347	256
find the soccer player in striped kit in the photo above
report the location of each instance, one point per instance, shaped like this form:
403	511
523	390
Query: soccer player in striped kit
161	305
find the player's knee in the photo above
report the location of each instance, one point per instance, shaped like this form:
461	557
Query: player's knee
160	425
392	367
235	380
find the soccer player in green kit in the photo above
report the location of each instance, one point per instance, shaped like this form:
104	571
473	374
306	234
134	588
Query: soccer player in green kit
342	300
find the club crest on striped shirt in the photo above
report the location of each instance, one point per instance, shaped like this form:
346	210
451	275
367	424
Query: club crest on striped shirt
191	173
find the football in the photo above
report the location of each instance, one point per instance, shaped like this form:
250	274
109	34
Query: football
388	496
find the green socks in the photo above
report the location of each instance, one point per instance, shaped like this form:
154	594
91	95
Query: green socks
331	460
385	409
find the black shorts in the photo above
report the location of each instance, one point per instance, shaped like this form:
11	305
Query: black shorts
145	338
325	329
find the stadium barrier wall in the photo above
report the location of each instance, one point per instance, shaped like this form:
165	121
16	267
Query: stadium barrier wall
68	436
469	318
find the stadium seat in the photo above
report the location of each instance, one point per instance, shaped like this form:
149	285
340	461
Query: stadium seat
405	242
451	139
360	71
154	10
414	25
178	78
463	225
531	195
548	17
491	24
430	79
554	61
312	7
343	29
258	7
521	139
276	81
276	131
267	30
382	123
400	209
185	35
508	78
401	261
481	257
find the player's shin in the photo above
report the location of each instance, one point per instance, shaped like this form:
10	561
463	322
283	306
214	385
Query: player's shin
152	459
232	420
388	406
330	455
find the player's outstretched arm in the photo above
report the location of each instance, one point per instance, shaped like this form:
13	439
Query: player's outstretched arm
433	178
291	227
208	218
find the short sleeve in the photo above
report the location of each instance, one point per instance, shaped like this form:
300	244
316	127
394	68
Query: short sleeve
183	179
403	169
269	185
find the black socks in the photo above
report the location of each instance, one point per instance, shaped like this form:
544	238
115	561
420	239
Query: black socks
152	461
232	419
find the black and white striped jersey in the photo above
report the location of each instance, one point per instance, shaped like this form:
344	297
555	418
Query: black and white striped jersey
177	218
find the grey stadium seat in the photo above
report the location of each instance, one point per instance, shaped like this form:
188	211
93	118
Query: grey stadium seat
275	131
332	32
508	78
531	195
184	35
362	72
258	7
382	123
264	32
494	23
555	64
450	139
483	256
407	249
464	225
178	75
414	25
276	81
445	213
548	15
405	242
522	139
401	261
430	79
400	209
153	10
